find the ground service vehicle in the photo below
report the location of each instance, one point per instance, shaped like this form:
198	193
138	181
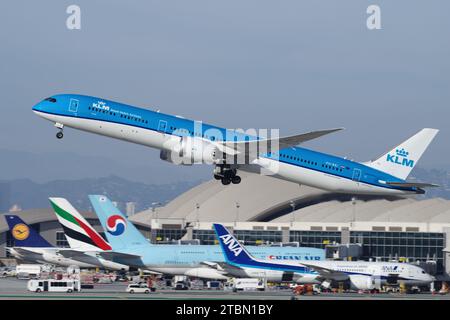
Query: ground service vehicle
50	285
138	288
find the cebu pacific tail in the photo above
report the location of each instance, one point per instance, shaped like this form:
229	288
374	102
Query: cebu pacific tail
79	233
400	161
120	232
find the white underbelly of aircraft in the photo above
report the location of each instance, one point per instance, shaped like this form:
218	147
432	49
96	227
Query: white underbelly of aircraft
321	180
128	133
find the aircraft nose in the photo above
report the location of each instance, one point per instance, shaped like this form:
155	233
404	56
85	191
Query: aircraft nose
37	107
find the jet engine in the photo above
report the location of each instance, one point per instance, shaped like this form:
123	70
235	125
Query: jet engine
205	273
361	282
188	151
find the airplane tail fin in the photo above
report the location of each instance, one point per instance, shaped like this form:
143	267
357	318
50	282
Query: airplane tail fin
120	232
79	233
23	235
232	249
400	161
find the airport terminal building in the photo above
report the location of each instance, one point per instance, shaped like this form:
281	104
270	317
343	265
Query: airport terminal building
266	211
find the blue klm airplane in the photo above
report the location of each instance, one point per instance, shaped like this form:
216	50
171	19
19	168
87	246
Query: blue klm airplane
203	261
183	141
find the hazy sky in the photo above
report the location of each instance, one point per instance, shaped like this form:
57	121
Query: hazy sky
293	65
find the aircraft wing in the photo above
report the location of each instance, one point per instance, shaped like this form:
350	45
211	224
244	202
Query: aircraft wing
232	148
71	254
213	265
408	184
151	272
25	252
326	273
110	255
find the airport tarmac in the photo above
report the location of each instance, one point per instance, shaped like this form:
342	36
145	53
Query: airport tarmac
11	288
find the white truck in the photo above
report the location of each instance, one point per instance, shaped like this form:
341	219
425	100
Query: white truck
180	283
248	284
28	271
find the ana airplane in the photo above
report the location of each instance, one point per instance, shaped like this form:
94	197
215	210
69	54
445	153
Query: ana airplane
184	141
202	261
360	275
30	246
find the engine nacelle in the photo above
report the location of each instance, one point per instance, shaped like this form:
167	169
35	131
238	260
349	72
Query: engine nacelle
205	273
189	151
110	265
361	282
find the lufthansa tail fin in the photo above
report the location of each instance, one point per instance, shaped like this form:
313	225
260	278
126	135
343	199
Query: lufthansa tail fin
399	161
79	233
120	232
23	235
233	251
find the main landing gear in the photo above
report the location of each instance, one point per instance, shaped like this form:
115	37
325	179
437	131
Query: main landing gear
226	174
60	133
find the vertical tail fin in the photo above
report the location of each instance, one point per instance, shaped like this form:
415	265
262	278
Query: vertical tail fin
232	249
23	235
79	233
399	161
120	232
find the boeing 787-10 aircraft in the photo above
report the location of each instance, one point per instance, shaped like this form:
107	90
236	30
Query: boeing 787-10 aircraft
184	141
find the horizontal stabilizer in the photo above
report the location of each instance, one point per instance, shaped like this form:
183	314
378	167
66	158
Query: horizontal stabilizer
408	184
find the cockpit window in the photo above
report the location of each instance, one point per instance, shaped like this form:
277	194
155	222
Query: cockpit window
423	272
52	100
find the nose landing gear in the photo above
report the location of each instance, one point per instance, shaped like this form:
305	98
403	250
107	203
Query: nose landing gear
60	133
226	174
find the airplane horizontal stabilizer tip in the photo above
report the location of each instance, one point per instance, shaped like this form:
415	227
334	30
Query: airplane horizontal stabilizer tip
409	184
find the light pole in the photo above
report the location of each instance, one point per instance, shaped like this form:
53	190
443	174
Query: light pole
292	204
197	208
237	213
154	205
354	211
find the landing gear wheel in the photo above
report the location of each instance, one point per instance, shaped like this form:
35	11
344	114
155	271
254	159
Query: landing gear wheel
236	180
217	177
59	135
226	181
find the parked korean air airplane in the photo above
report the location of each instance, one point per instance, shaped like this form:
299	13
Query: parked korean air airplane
361	275
202	261
184	141
30	246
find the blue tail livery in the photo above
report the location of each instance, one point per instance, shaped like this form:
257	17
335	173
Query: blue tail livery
23	235
119	231
236	254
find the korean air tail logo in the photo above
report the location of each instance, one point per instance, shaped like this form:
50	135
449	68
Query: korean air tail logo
400	157
116	225
232	244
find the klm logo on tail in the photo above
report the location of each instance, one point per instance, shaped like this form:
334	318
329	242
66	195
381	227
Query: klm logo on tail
232	244
400	157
